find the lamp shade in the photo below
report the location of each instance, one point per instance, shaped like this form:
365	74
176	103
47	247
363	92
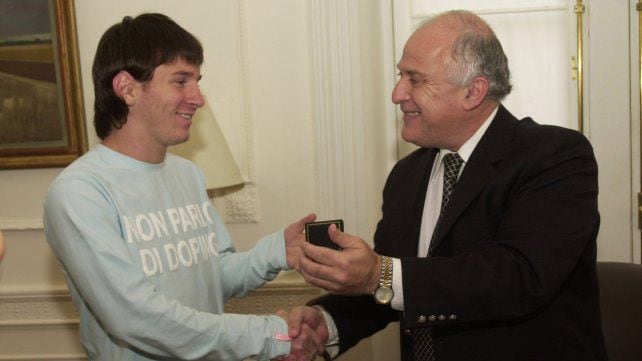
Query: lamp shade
209	150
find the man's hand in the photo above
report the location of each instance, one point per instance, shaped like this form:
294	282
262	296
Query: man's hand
294	238
308	331
353	271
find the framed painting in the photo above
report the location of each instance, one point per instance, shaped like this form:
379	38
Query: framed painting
42	118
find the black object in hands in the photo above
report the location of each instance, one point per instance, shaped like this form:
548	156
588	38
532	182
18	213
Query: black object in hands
317	233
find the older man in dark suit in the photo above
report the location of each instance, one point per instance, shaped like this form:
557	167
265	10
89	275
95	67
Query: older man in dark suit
486	249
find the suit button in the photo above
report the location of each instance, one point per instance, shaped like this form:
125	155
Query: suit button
441	317
452	317
407	332
421	319
432	318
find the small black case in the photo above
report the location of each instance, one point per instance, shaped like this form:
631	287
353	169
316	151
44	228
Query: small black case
317	233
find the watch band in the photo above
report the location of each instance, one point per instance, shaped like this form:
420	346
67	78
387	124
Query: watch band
384	294
385	279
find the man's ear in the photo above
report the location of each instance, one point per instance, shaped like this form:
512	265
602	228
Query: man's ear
476	93
125	87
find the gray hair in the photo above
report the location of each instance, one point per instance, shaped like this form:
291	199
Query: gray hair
476	51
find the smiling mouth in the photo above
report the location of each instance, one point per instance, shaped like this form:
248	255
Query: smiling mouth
412	114
185	116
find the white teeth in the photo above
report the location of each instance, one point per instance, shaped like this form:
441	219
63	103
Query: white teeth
186	116
412	113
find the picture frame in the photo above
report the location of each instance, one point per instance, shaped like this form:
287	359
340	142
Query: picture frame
42	117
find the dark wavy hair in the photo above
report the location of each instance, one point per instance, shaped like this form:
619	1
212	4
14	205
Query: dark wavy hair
136	45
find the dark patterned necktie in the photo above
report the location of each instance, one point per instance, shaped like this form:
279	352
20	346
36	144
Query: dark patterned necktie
422	338
452	165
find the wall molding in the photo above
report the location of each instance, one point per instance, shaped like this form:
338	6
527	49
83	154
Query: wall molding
241	206
34	308
244	79
338	111
273	297
55	308
25	224
65	357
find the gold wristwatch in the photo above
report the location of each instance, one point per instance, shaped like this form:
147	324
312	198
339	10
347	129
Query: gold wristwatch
384	294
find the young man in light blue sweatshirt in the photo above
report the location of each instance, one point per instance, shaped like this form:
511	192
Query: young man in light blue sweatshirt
148	261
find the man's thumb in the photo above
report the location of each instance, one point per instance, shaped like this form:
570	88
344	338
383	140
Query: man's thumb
339	237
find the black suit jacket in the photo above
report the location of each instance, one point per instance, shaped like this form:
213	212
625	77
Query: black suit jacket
512	276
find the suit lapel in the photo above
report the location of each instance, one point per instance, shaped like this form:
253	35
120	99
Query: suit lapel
414	192
479	170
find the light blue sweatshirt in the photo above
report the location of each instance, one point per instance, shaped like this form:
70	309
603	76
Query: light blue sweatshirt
149	263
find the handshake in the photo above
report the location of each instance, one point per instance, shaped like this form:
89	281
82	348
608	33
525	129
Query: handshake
307	332
355	270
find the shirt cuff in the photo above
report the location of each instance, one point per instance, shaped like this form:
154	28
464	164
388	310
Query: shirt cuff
332	346
282	346
397	285
279	239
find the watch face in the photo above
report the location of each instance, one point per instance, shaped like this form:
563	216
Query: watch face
383	295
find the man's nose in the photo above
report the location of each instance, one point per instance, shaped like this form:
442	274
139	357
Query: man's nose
196	97
400	91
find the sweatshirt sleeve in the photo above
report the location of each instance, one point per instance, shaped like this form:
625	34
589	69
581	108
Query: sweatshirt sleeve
83	230
243	272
